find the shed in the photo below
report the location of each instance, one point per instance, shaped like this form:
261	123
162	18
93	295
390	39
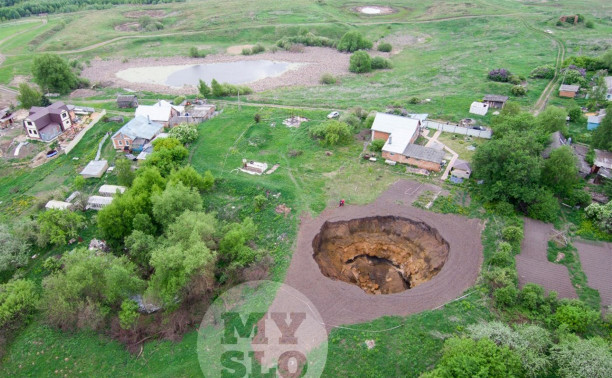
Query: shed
111	190
461	169
423	157
98	202
95	168
479	108
568	91
594	120
127	101
58	205
495	101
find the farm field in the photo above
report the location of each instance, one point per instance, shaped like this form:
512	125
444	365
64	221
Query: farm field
441	54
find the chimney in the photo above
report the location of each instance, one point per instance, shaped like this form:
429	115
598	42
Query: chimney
148	119
389	140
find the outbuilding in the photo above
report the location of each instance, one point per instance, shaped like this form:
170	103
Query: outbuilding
111	190
95	168
58	205
495	101
568	91
98	202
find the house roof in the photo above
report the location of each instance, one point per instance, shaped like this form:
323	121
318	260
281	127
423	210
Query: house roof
495	98
45	116
201	110
603	159
569	88
140	127
424	153
401	130
462	165
479	108
95	168
556	140
126	98
159	112
595	119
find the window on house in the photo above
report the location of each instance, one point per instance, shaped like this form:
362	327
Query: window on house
64	115
120	143
127	142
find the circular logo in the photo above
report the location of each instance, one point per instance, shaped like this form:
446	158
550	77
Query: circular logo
262	328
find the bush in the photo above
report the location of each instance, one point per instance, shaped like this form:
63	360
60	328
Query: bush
259	202
128	314
257	49
500	74
225	89
14	250
380	63
194	52
18	300
57	227
532	297
503	257
589	24
377	145
501	277
353	41
385	47
257	118
575	315
306	39
328	79
505	296
360	62
543	72
514	79
178	100
512	234
576	357
414	100
184	132
504	208
575	114
546	208
331	132
578	197
518	90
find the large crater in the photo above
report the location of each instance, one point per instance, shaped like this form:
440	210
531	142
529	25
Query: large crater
381	255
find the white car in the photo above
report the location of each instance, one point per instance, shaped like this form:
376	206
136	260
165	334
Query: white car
333	115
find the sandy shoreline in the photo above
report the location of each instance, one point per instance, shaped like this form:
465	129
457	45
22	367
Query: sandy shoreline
318	60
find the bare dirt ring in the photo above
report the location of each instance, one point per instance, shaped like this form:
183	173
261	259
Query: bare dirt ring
340	302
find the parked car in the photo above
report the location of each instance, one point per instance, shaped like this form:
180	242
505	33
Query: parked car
481	128
333	115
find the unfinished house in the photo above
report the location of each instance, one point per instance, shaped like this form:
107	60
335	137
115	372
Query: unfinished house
47	123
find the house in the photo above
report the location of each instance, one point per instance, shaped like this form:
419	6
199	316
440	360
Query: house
127	101
556	140
608	80
6	118
495	101
479	108
461	169
136	133
594	120
602	165
111	190
581	151
48	123
194	114
423	157
95	168
161	112
568	91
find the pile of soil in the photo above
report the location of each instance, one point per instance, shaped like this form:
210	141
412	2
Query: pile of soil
381	255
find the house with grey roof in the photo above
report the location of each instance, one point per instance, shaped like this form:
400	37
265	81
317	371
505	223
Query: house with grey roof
127	101
136	133
47	123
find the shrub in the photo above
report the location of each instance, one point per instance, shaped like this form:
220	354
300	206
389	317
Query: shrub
380	63
257	118
576	357
414	100
504	208
14	251
512	234
360	62
518	90
257	49
505	296
259	202
578	197
543	72
385	47
589	24
128	314
331	132
184	132
500	74
328	79
226	89
503	256
178	100
575	315
501	277
514	79
353	41
532	296
575	114
194	52
546	208
306	39
377	145
18	300
247	51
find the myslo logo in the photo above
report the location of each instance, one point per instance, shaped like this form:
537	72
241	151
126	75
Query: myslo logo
262	329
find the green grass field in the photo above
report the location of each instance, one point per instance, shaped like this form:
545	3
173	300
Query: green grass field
447	48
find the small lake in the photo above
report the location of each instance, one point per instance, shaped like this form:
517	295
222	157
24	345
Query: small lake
240	72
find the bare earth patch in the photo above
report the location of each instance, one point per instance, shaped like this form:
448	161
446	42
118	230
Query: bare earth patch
315	61
374	10
237	50
82	93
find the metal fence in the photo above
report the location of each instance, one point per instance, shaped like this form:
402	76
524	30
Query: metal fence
456	129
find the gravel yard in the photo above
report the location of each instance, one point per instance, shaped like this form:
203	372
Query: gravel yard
315	61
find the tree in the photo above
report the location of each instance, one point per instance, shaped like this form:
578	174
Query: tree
597	93
352	41
601	214
89	286
545	206
168	154
14	251
184	132
217	89
192	179
509	168
602	136
18	299
29	96
52	73
139	246
360	62
575	113
57	227
174	200
518	90
464	357
606	60
144	223
79	182
553	119
204	89
115	221
125	174
128	316
576	315
560	171
233	250
331	132
576	357
512	234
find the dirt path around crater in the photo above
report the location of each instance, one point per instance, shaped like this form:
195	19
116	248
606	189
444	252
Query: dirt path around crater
341	303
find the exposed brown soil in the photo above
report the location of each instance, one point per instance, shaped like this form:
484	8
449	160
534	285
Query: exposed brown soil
533	266
381	255
237	50
596	260
342	303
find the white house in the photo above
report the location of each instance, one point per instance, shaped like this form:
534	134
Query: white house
161	112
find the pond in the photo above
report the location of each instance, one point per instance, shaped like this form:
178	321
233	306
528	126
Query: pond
240	72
